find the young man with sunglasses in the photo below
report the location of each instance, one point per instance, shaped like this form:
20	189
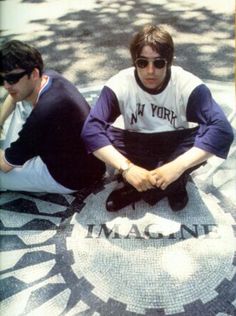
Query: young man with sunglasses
158	147
43	151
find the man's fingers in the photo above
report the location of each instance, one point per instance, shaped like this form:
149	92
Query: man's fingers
152	180
144	185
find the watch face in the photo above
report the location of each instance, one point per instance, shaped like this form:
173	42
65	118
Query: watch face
124	166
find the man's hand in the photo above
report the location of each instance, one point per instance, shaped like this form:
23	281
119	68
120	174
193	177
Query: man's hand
4	166
171	171
139	178
6	109
167	174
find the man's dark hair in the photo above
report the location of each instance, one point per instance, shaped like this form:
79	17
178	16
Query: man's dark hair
155	36
16	54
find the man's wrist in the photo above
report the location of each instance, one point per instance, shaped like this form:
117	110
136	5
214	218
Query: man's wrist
124	167
124	173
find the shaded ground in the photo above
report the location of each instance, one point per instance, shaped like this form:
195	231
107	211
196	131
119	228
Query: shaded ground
87	40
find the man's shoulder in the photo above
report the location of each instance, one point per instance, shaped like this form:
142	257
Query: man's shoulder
180	74
122	82
54	75
127	71
184	79
62	85
60	92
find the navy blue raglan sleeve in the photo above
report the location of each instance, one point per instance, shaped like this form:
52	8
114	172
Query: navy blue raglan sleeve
105	111
215	133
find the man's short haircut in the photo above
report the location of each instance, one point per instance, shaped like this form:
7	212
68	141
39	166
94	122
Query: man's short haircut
155	36
16	54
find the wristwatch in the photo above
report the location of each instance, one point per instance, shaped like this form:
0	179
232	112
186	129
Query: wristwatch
124	167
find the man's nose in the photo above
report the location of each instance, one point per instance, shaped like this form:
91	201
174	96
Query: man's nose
150	67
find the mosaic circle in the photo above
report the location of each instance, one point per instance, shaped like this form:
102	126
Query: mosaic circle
153	258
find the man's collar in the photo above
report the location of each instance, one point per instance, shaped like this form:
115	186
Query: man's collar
154	91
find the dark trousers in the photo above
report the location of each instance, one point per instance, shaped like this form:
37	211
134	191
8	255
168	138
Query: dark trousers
152	150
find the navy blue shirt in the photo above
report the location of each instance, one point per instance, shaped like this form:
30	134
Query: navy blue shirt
52	131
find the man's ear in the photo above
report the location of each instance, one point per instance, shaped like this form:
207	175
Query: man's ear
35	74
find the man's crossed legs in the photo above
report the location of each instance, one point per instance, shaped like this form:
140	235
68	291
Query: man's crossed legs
151	151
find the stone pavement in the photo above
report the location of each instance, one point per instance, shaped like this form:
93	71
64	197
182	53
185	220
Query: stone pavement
64	254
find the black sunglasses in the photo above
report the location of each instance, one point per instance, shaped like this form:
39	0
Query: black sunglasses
13	78
158	63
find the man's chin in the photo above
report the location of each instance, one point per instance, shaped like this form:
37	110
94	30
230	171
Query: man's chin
14	96
151	84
